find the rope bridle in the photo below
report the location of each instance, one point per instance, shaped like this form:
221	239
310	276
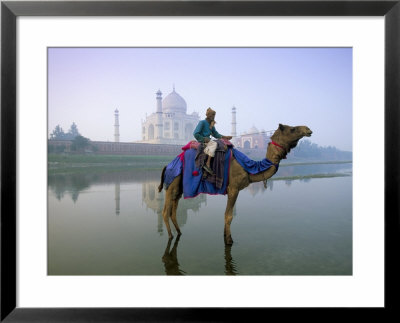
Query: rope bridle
281	147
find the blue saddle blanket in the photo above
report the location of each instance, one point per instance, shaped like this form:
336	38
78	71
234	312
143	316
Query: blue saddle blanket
252	166
193	182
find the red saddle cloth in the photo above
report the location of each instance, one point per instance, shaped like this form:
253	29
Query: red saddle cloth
193	144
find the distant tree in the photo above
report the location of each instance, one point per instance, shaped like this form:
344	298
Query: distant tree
307	149
73	131
58	133
80	143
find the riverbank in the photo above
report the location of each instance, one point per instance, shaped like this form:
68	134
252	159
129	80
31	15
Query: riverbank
105	159
73	163
81	159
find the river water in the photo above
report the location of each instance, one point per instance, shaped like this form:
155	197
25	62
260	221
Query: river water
110	223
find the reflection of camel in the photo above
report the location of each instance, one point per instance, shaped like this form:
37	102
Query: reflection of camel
171	264
282	141
170	259
230	268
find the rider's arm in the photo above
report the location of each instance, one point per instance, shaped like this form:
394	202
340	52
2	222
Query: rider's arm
197	133
215	133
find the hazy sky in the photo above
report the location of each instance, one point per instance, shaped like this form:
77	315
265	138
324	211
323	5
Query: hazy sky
268	86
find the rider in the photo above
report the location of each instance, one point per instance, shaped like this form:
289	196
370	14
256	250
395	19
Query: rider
202	133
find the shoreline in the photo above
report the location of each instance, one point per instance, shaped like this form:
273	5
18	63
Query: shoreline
76	164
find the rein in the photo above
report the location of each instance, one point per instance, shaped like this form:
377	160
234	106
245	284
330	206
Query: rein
275	144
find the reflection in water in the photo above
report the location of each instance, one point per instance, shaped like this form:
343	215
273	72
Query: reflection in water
230	266
155	201
315	238
72	184
308	169
117	197
259	188
170	259
171	263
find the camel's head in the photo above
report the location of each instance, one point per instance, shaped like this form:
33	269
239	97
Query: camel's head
289	136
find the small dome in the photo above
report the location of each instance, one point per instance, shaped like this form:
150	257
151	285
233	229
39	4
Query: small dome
253	130
173	102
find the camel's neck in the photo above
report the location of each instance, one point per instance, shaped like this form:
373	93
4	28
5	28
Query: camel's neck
278	151
274	154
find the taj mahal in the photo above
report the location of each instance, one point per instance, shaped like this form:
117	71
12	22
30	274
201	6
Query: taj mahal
166	130
170	124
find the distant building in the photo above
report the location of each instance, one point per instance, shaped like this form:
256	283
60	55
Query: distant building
170	123
253	139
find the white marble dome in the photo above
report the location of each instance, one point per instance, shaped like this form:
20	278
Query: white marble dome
174	103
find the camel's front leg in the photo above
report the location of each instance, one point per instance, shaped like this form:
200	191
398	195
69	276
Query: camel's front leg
166	215
172	196
173	217
232	196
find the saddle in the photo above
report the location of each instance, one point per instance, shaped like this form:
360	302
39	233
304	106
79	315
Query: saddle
217	162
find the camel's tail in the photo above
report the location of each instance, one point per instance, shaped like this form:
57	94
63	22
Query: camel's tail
160	187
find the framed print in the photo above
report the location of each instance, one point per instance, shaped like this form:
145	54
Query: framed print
80	245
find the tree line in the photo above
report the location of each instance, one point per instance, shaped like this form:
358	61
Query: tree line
309	150
79	142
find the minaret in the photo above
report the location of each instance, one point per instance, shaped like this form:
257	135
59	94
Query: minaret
116	126
159	118
233	134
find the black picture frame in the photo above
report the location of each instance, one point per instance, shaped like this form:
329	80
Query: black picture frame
10	10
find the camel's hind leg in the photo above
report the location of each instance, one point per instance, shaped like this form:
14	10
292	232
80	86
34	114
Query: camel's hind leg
166	215
232	196
172	196
173	217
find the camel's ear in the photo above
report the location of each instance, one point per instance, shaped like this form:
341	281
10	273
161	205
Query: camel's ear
281	127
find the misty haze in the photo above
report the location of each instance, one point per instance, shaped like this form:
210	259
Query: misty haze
117	116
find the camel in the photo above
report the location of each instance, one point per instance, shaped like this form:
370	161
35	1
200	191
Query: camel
283	140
